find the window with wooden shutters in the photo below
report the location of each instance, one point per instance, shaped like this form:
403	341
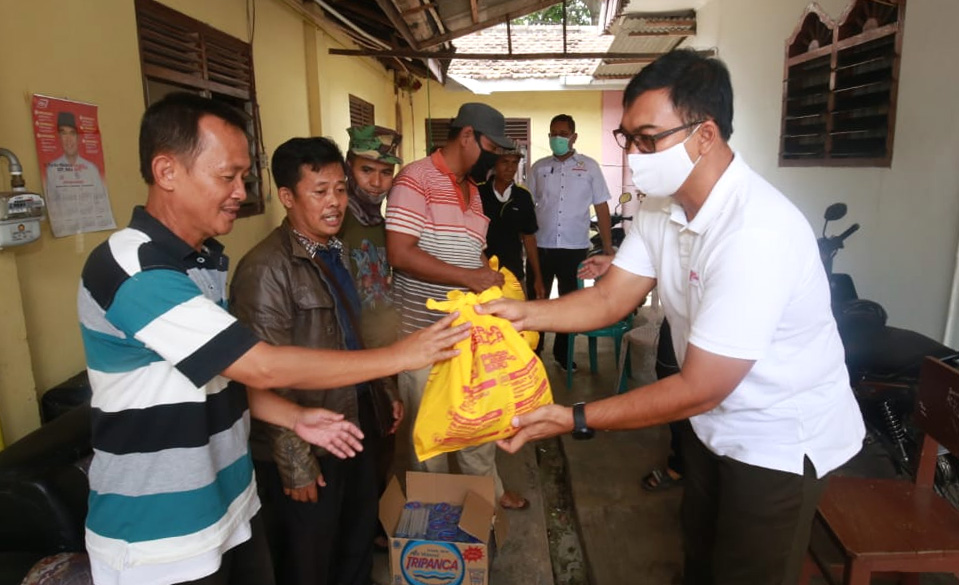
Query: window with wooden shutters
361	112
179	53
840	86
517	130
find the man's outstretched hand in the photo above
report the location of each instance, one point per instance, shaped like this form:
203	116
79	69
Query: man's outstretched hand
512	310
328	430
544	422
594	267
432	344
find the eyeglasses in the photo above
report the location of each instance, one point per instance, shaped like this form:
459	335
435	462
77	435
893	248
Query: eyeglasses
646	143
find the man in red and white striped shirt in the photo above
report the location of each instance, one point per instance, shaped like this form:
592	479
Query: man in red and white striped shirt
435	236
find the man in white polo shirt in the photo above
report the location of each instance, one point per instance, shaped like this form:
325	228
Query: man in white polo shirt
763	380
564	186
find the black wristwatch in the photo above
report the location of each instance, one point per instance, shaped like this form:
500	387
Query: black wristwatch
581	431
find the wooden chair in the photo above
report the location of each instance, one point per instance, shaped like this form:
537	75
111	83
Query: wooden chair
888	525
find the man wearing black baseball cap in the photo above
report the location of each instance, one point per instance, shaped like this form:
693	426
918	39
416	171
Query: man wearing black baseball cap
435	236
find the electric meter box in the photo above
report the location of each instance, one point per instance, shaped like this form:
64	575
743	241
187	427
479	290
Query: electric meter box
20	215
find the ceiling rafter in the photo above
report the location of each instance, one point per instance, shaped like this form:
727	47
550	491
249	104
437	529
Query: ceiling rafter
398	22
449	55
664	33
665	22
418	9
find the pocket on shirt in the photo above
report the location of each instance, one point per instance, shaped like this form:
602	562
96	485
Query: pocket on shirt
308	298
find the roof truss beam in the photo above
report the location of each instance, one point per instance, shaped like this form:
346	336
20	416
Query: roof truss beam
398	22
667	33
447	55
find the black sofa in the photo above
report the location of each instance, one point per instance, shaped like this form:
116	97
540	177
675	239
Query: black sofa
44	487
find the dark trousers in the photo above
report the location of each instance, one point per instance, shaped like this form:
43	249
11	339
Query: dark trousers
667	365
561	264
245	564
743	524
329	542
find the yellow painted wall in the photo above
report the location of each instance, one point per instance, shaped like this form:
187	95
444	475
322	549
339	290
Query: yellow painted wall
584	106
88	52
340	76
18	401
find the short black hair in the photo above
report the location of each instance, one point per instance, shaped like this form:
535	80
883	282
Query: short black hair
699	87
172	126
564	118
315	152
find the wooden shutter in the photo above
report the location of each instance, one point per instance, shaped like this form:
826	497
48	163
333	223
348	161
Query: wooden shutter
437	129
179	49
517	130
180	53
361	112
840	86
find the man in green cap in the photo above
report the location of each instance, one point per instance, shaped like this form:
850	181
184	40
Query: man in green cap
371	161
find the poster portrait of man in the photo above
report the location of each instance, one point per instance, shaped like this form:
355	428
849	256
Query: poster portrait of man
70	150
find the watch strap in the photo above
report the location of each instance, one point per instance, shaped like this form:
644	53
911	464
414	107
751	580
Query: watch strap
579	417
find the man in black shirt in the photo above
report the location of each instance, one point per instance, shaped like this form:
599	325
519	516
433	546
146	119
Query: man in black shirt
512	223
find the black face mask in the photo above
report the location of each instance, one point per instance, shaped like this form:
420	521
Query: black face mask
483	165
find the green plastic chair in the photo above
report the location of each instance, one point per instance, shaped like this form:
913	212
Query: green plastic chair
616	331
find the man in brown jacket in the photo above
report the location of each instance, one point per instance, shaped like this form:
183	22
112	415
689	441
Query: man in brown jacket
294	288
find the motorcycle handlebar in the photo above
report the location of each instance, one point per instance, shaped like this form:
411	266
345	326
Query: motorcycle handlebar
849	231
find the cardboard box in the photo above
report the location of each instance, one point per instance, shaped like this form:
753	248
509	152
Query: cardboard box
433	562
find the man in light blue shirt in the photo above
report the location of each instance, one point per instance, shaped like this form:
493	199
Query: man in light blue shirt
564	186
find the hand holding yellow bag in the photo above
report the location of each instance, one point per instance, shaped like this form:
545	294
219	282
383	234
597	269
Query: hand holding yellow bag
512	289
472	398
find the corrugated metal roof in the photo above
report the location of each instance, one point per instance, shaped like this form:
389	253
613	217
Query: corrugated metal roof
644	34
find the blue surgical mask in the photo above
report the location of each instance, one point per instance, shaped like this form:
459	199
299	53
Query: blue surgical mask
559	145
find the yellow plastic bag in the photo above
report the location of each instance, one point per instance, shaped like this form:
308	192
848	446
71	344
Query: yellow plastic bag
471	399
512	289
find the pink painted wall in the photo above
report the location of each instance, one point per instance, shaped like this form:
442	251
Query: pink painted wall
613	161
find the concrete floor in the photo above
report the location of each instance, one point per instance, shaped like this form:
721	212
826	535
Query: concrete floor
620	533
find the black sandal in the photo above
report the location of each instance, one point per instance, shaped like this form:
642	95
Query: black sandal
659	480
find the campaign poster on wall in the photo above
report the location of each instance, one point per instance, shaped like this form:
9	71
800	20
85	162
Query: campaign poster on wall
70	151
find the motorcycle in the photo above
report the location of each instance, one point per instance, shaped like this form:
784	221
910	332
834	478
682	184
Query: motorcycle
883	364
617	232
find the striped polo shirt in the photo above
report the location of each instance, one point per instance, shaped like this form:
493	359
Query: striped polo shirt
171	482
426	204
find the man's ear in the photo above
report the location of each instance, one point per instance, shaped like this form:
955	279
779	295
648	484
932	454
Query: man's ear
286	197
165	169
466	135
572	138
708	136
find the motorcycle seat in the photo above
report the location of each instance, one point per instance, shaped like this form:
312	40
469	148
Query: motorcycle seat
889	352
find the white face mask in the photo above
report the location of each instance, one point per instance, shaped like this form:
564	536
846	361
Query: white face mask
661	174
